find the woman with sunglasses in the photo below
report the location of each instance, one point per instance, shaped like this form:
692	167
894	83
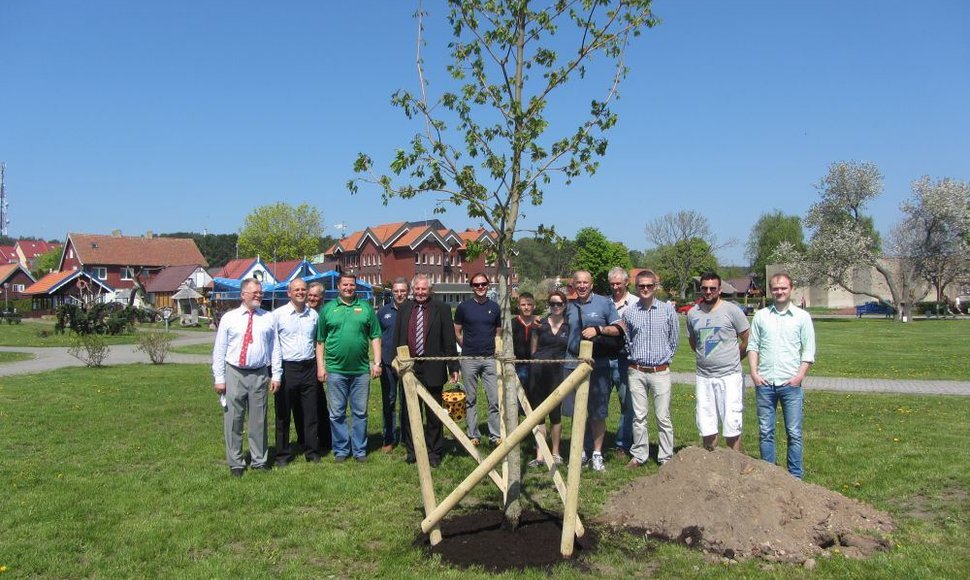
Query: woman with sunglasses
549	343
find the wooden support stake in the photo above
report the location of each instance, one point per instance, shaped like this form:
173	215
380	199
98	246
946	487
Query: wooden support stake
550	463
580	410
502	427
417	438
572	382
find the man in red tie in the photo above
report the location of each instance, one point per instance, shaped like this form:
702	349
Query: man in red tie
247	365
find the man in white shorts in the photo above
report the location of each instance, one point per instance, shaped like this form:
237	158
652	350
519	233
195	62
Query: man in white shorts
718	334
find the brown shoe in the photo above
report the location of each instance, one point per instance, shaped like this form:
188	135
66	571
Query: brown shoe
476	442
633	464
387	448
621	454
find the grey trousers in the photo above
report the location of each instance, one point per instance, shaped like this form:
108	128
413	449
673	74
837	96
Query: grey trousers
246	391
471	370
642	387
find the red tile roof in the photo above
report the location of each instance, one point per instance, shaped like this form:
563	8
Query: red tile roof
34	248
8	255
95	249
280	270
235	268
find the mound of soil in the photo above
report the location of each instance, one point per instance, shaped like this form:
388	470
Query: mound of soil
727	503
481	539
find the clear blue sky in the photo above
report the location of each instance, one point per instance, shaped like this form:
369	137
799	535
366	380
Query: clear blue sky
183	115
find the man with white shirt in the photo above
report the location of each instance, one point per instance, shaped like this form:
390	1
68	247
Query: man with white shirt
296	331
246	366
619	367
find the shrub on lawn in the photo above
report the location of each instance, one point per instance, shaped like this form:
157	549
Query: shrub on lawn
157	345
89	349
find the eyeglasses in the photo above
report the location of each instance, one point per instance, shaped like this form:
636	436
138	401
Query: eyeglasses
646	286
555	304
479	284
709	288
254	293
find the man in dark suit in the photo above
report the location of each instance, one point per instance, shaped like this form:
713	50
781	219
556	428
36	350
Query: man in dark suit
425	326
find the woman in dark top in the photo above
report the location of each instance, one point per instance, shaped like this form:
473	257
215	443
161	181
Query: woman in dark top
549	342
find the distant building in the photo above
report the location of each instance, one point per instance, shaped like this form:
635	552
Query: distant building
14	280
120	261
379	254
27	251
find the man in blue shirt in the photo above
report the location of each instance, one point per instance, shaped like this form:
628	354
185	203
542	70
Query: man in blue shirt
652	333
477	322
588	316
387	317
780	352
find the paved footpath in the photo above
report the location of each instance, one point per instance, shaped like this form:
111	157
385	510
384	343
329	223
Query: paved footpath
49	358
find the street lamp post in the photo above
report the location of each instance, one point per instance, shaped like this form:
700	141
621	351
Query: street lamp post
6	296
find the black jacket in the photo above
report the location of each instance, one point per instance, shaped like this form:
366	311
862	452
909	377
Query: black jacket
440	341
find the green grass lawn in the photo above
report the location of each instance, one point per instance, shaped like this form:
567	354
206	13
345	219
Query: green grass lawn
878	348
7	357
120	472
40	333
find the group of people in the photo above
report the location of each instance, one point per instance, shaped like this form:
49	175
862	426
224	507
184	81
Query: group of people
294	350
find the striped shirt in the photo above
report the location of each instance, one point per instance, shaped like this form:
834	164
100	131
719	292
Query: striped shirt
651	333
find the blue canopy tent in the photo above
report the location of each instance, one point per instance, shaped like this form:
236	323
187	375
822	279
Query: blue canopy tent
275	294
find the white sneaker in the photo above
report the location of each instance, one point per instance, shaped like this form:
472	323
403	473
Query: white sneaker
598	463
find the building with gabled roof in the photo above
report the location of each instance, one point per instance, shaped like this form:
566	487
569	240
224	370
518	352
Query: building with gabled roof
119	261
165	284
65	286
8	255
14	280
242	268
379	254
27	251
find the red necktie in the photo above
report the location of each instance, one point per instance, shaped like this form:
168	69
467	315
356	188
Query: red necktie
247	340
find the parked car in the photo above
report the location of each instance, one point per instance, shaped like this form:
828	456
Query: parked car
683	309
874	307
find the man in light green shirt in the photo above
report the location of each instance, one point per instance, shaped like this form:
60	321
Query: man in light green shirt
780	351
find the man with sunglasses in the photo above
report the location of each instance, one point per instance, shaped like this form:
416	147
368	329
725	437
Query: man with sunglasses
246	365
652	332
477	322
588	316
718	334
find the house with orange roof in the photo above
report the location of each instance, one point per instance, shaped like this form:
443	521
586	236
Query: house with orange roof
14	279
125	262
379	254
65	286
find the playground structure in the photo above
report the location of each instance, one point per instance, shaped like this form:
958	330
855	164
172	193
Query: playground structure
577	380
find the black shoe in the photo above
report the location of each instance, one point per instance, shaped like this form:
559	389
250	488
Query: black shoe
263	467
236	471
410	459
361	459
281	463
435	461
313	458
340	458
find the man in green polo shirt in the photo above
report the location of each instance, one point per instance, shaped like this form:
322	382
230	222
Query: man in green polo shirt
343	331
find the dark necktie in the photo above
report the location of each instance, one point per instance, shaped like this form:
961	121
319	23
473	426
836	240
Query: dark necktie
419	331
247	340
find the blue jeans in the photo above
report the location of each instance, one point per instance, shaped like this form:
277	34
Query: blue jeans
619	370
792	400
341	391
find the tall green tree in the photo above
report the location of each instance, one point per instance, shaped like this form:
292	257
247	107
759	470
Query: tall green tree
47	262
539	258
488	142
678	263
280	232
597	255
769	231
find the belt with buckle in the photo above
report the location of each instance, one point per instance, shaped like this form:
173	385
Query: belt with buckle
644	369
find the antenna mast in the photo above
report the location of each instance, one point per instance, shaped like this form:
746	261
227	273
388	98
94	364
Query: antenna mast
4	214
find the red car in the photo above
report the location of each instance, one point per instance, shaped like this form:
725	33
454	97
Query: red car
683	309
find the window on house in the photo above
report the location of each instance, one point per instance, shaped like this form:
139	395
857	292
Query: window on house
99	272
18	287
127	273
70	253
417	258
439	259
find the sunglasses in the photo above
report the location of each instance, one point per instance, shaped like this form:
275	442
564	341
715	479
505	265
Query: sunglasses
647	286
555	304
709	288
479	284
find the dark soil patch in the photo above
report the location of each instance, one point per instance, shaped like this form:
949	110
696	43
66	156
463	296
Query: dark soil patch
481	539
738	507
